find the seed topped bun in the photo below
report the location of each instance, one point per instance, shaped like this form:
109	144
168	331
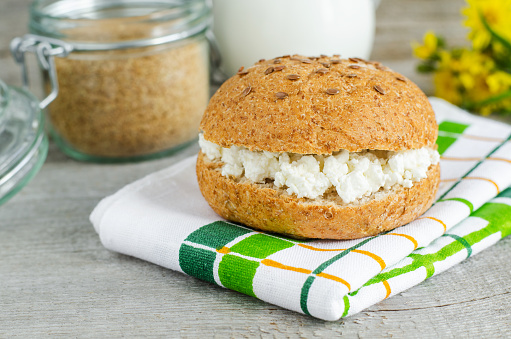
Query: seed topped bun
319	148
319	106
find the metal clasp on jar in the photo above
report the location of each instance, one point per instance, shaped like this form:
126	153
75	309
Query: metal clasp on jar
45	50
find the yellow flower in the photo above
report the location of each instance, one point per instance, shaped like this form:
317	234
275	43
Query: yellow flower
467	65
486	110
480	91
473	78
473	68
429	47
498	15
499	82
495	107
461	76
447	86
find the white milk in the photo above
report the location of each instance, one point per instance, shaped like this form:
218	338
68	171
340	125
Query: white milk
249	30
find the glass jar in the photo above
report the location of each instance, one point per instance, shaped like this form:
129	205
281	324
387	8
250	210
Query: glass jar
132	75
23	143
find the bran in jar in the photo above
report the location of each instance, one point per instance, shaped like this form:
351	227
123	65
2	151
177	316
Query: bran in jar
128	103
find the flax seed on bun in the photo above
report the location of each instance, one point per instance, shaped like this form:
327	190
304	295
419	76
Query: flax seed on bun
317	106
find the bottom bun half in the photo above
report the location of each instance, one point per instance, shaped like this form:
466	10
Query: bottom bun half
268	208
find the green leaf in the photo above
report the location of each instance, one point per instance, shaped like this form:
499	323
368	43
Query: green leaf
426	68
441	42
494	99
494	34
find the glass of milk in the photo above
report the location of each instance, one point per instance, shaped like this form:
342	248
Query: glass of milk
249	30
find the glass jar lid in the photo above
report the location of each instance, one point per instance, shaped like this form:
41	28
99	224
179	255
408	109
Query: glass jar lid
99	25
23	143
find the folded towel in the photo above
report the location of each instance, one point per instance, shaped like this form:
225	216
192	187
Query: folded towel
164	219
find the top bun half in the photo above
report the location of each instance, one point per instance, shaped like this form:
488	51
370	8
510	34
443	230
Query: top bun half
319	106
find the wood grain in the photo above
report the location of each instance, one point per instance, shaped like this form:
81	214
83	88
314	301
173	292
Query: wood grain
56	279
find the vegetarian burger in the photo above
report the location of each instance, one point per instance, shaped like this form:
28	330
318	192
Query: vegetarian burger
319	147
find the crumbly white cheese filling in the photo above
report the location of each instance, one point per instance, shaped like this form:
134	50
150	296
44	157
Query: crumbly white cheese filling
354	175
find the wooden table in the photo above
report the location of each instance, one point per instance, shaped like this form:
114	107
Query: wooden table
56	279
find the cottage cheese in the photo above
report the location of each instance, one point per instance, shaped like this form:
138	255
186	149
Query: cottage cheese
354	175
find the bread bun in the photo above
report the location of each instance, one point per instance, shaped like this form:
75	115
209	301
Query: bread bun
264	207
375	108
317	106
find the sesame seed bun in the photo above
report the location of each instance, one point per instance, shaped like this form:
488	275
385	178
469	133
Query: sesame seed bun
318	105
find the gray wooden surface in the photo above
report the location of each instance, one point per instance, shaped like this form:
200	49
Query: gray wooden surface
56	279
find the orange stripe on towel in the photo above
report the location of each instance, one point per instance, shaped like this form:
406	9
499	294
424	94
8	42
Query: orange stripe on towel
272	263
499	159
334	278
224	250
435	219
476	137
478	178
372	255
460	159
409	237
387	287
450	180
369	254
312	248
485	179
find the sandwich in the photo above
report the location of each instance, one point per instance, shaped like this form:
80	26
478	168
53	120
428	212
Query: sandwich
319	147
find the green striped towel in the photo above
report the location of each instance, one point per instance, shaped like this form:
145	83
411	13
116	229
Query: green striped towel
163	219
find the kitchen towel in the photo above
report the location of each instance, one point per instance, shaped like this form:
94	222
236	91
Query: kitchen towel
164	219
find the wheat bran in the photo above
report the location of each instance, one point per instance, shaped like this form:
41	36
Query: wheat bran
130	103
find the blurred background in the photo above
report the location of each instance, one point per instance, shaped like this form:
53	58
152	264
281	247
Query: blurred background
398	23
